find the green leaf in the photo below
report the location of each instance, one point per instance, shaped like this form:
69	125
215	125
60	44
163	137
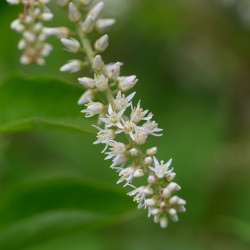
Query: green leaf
45	210
30	103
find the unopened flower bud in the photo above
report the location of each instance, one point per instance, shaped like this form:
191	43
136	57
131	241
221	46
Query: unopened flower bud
114	71
72	66
127	83
85	2
164	222
21	44
86	97
138	173
13	1
140	136
133	152
173	187
25	60
96	11
152	151
151	179
148	191
17	26
173	200
150	202
60	32
74	13
47	48
71	44
166	193
86	82
98	63
87	25
103	24
102	43
155	211
173	214
170	176
30	37
93	108
181	209
148	161
181	202
46	16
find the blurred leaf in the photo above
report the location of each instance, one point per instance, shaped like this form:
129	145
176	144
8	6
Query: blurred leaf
43	211
29	103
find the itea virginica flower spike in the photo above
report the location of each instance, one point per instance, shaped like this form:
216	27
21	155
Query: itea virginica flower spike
106	97
30	24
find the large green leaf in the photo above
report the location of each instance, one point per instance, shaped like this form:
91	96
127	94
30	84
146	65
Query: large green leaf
29	103
45	210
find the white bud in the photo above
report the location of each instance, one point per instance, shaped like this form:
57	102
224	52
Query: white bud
133	152
151	179
173	200
98	63
102	43
93	108
96	11
40	61
138	173
114	71
150	202
181	209
74	13
71	44
173	214
148	161
140	136
155	211
37	26
148	191
181	202
87	25
166	193
164	222
103	24
72	66
101	82
21	44
86	82
47	48
62	3
126	83
86	97
46	16
30	37
60	32
173	187
25	60
17	26
152	151
170	176
13	1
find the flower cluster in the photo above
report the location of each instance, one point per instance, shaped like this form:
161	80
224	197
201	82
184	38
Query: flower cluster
118	118
34	33
117	115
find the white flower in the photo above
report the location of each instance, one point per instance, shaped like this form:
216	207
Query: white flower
113	118
151	127
93	108
103	24
46	16
120	160
126	83
161	169
122	102
72	66
74	14
138	114
140	194
101	82
104	135
102	43
71	44
127	127
116	149
140	135
127	175
86	97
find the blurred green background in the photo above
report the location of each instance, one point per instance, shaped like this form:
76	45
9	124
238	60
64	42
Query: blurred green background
192	58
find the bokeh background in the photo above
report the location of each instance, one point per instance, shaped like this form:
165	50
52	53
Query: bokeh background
192	58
